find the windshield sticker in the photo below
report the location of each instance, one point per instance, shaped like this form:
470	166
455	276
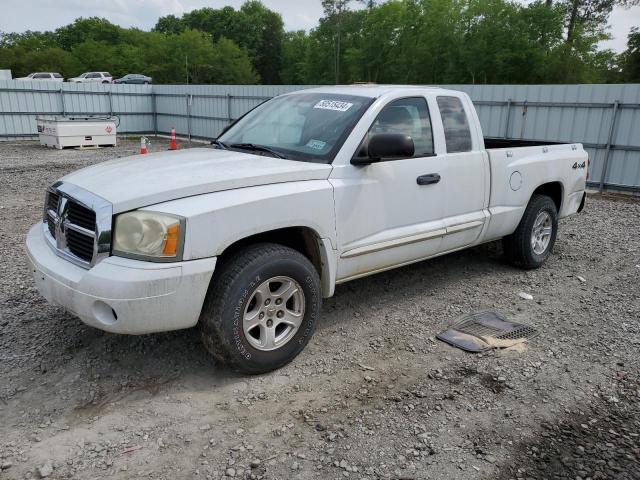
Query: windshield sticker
316	144
333	105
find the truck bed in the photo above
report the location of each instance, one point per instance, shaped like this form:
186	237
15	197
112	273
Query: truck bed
519	167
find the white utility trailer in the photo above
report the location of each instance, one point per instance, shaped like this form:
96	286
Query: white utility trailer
61	132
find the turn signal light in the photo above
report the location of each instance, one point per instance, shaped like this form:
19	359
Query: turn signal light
172	239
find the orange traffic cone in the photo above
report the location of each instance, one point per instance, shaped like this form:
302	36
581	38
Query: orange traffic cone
143	146
173	145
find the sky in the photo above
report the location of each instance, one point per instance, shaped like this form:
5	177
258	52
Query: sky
22	15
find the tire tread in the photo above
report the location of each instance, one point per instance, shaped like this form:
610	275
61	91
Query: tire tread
212	333
516	246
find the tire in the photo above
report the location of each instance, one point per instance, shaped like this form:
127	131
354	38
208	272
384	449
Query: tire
520	247
236	299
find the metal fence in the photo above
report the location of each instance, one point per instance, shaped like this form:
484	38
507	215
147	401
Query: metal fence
604	118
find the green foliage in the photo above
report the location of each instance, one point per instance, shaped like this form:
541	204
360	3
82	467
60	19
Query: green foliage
169	55
631	57
397	41
462	41
256	29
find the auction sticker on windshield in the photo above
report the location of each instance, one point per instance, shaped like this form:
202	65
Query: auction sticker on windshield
333	105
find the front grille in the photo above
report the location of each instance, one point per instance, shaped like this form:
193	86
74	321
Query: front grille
81	216
51	225
72	227
52	201
80	245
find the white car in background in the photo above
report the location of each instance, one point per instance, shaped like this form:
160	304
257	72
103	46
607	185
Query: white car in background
43	76
92	77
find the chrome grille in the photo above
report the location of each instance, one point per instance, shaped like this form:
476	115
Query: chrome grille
80	245
77	224
52	201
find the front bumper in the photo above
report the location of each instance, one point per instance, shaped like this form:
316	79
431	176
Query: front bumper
121	295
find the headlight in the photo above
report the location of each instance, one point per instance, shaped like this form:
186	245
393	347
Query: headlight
149	234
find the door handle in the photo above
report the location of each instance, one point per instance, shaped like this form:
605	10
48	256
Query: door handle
428	179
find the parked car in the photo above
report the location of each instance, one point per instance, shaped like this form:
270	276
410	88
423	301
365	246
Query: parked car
43	76
308	190
92	77
134	78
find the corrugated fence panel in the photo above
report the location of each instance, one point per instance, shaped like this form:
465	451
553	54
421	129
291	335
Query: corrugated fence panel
605	118
21	102
570	113
202	111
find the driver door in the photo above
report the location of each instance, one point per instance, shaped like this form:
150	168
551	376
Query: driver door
390	213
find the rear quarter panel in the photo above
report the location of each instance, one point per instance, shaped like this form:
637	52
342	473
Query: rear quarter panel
517	172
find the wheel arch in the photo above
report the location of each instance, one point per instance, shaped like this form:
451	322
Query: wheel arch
553	190
303	239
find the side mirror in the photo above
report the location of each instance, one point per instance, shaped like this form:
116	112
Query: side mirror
388	146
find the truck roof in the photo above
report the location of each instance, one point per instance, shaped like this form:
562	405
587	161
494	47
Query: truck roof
372	90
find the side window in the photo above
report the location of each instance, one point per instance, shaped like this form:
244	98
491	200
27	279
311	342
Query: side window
457	133
57	75
42	75
409	116
93	75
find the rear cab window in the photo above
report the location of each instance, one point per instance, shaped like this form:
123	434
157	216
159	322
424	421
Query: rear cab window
457	132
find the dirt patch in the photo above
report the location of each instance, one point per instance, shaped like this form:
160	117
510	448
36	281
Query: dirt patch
600	440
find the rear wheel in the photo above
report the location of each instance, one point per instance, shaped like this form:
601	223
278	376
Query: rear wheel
532	242
261	308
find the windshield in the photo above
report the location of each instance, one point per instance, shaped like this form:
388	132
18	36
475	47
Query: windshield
310	127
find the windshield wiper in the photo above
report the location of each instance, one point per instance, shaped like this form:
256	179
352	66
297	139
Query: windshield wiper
257	148
218	143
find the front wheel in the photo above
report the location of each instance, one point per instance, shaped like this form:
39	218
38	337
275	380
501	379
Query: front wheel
261	308
532	242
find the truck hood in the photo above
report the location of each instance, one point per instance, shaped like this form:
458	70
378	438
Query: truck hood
143	180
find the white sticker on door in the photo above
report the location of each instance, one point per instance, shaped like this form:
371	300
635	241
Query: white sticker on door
333	105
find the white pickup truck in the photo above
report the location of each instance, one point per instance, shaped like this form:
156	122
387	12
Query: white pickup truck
306	191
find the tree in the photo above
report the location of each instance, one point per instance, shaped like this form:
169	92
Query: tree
630	58
84	29
295	46
253	27
170	25
334	11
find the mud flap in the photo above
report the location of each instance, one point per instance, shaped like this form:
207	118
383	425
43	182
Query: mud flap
584	200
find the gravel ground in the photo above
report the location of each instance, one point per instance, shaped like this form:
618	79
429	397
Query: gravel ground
374	395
